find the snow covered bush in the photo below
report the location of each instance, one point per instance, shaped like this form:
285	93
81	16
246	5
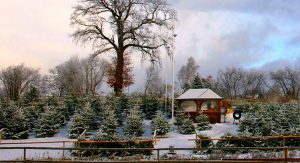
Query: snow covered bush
134	123
203	122
160	124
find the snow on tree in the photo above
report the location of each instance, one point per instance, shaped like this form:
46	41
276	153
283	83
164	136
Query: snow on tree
180	115
187	126
31	115
89	116
109	122
48	124
203	122
160	124
150	104
14	123
78	126
134	123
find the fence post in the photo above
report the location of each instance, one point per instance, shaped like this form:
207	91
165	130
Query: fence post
1	133
78	150
157	155
24	154
64	145
286	154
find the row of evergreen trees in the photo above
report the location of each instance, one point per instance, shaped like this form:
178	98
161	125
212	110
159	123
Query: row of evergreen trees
45	116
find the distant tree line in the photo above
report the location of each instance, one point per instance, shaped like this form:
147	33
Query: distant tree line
234	82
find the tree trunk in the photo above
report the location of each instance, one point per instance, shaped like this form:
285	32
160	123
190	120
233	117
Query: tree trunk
118	85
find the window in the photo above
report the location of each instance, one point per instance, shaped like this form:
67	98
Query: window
189	106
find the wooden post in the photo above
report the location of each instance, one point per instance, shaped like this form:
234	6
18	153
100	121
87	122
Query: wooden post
1	133
157	155
78	150
24	156
286	154
64	145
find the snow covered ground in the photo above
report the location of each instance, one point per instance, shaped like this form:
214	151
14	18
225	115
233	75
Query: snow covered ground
188	141
173	139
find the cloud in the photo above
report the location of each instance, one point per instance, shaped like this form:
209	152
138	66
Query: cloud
218	34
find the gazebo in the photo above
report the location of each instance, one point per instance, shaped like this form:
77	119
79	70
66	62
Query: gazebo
202	101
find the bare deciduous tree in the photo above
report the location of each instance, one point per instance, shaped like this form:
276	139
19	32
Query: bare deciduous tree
187	73
78	77
153	82
288	80
16	80
237	82
94	72
122	26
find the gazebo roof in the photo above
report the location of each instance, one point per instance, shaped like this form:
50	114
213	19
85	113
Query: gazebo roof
200	94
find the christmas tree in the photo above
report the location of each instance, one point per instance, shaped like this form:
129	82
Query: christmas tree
150	104
109	121
187	126
134	123
203	122
47	124
13	122
160	124
78	126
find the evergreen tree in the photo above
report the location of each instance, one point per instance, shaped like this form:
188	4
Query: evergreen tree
123	104
197	83
150	104
160	124
179	116
78	126
134	123
47	124
31	115
14	123
109	122
187	126
31	96
203	122
89	116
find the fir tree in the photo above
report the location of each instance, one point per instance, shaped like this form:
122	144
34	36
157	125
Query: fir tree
203	122
134	123
150	104
47	124
197	83
109	122
187	126
78	126
160	124
31	115
14	123
89	116
31	96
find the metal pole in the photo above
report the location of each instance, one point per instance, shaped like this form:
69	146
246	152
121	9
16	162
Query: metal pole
173	62
166	86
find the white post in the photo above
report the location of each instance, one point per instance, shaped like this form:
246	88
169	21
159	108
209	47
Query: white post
173	62
166	86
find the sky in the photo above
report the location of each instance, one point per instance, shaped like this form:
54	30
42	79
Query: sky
252	34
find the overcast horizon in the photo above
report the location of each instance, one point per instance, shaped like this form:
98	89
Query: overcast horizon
218	34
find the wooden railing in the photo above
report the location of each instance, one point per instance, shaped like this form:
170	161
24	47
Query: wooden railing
158	158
